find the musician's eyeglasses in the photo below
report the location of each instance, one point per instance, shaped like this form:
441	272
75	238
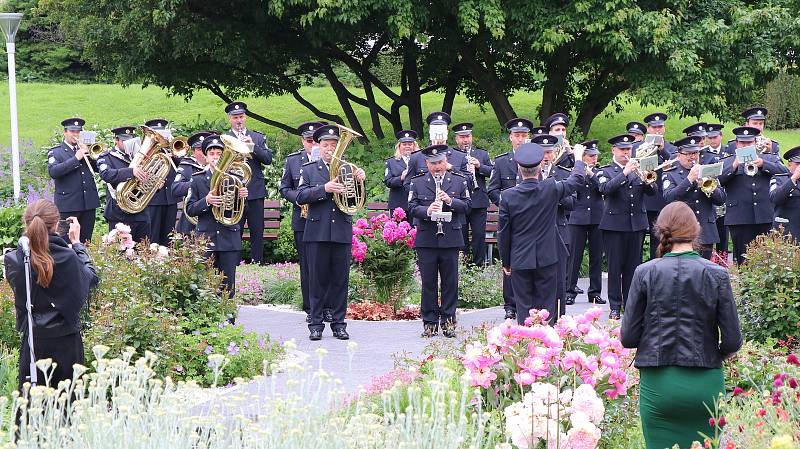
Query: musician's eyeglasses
309	140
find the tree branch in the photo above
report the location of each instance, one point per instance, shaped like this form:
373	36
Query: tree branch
216	90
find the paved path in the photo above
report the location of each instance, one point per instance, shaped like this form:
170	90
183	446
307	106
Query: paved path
379	342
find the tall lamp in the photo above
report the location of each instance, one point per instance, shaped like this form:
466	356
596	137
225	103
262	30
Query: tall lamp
9	22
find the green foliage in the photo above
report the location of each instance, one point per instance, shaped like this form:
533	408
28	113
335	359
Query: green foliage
248	353
270	284
754	365
768	286
284	249
11	227
42	52
9	370
9	337
782	100
479	288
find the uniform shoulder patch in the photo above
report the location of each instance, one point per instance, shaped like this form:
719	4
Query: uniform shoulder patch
568	170
605	167
781	174
670	168
501	155
419	174
726	156
199	173
458	149
309	163
457	174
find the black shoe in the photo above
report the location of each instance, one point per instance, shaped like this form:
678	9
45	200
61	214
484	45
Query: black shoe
308	318
341	334
511	315
596	299
327	315
578	290
613	315
449	331
316	334
570	299
430	330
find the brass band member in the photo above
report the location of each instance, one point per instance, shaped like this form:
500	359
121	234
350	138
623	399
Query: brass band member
328	237
290	183
784	192
73	174
114	169
396	169
479	166
193	162
225	242
261	155
163	208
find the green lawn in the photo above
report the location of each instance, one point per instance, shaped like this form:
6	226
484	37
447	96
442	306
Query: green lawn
42	106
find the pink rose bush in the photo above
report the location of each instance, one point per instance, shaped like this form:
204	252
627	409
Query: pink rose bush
556	379
383	249
121	238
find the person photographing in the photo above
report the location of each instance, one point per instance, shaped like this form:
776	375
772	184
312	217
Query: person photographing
60	277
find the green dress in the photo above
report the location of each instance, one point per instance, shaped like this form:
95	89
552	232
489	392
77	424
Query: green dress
673	400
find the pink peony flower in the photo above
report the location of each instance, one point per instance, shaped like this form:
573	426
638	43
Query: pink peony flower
398	214
482	378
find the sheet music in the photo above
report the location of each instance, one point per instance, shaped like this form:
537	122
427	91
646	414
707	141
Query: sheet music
711	171
746	154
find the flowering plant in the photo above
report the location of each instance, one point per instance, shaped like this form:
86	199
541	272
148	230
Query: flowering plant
383	250
121	238
552	377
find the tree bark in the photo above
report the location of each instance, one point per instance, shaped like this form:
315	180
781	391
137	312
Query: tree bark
450	91
373	111
412	96
216	90
605	89
555	89
487	80
342	95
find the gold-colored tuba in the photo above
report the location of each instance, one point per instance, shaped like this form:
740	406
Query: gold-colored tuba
355	195
231	174
133	195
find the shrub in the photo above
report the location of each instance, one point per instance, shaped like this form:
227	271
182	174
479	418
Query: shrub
768	286
480	288
782	99
11	225
284	250
376	311
9	337
271	284
383	251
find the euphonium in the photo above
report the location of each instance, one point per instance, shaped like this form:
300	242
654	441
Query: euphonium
354	195
133	195
230	174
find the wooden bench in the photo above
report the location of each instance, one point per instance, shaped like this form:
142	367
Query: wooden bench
376	208
492	215
272	220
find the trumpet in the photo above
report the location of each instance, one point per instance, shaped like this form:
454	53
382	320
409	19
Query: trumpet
762	144
708	185
650	176
96	149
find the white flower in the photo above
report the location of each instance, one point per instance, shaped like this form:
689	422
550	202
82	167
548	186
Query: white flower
586	401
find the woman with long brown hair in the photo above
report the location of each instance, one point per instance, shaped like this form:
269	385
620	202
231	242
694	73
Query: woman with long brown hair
682	320
60	278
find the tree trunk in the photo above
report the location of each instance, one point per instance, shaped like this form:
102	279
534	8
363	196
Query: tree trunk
604	90
341	94
554	92
412	97
450	91
486	78
373	111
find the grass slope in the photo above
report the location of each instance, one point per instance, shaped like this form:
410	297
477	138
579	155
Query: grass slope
42	106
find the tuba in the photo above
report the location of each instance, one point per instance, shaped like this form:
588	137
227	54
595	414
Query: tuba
355	195
231	174
133	195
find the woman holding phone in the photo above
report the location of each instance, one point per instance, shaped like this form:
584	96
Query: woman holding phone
61	275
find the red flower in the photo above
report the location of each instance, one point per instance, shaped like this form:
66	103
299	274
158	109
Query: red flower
737	391
711	422
793	360
761	412
793	382
730	445
722	422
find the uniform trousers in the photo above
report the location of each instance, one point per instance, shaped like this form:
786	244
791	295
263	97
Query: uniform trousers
722	230
563	263
254	215
329	278
302	260
535	289
86	219
435	264
579	236
139	229
652	216
226	262
162	222
624	254
742	235
476	221
508	295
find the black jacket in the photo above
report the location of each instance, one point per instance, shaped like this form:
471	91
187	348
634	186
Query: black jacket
681	312
56	309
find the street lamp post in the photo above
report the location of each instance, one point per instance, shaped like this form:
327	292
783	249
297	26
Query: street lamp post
9	22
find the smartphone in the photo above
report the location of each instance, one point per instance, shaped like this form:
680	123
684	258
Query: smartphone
63	228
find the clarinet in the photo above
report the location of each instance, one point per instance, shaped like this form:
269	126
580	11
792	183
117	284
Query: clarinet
438	181
471	168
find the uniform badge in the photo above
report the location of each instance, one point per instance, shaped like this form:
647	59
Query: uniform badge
773	184
177	177
666	184
103	167
601	179
386	172
410	195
